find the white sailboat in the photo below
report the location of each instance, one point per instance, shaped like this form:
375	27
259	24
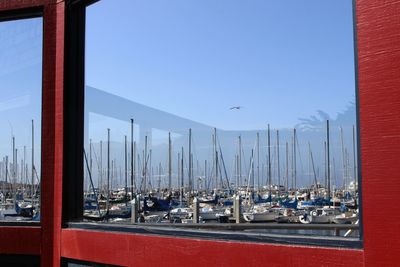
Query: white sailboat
346	218
261	214
319	215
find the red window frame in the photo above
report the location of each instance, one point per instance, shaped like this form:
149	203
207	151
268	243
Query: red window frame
378	28
44	239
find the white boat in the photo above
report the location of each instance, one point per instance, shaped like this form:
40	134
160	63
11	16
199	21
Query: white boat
346	218
180	213
319	215
261	214
152	218
208	213
287	216
7	212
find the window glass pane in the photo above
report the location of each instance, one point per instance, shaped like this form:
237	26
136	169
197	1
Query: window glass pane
217	101
20	117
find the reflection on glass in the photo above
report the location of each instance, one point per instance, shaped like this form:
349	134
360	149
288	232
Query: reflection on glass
220	111
20	115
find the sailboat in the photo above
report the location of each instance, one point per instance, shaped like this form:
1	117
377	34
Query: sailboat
261	214
319	215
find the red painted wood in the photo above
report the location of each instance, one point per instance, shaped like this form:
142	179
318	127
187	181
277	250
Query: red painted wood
20	240
52	133
378	26
19	4
140	250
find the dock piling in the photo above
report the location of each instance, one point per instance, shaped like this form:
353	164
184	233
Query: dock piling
236	208
134	210
196	210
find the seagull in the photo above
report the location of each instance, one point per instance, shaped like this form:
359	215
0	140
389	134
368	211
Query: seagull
237	107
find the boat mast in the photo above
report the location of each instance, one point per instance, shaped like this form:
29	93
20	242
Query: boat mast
269	164
100	180
190	161
159	177
343	159
135	166
205	174
169	161
196	182
23	178
240	160
108	172
354	159
328	161
287	166
258	161
182	179
13	168
112	175
294	158
33	162
216	169
313	167
252	170
347	167
150	169
4	183
90	157
237	170
333	178
126	170
279	167
291	164
6	175
27	175
133	157
193	176
140	170
179	173
215	157
145	165
326	166
16	171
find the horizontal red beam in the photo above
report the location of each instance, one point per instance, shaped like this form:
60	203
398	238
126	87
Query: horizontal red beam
20	240
141	250
20	4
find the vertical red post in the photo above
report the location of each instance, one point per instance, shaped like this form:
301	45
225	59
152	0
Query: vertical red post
378	34
52	133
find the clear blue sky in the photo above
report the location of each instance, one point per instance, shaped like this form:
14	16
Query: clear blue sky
280	60
21	48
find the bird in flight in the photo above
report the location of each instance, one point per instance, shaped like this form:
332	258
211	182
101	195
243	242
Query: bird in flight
236	107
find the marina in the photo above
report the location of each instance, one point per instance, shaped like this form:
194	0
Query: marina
20	184
141	192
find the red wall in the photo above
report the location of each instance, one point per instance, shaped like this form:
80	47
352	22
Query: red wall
378	34
139	250
20	240
378	26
